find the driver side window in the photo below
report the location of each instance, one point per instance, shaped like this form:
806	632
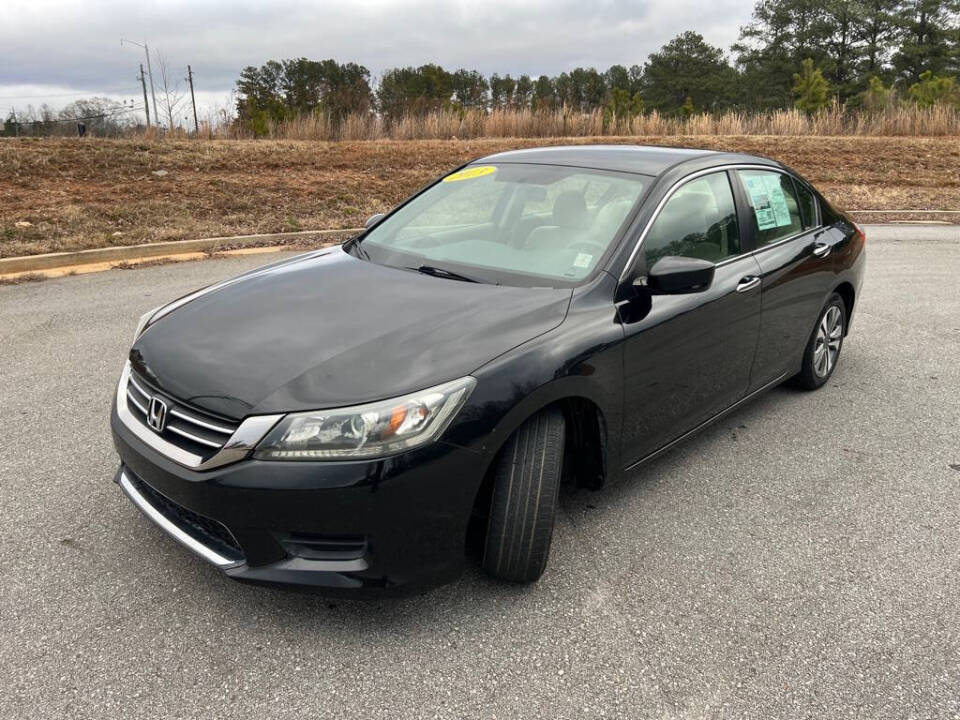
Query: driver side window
699	220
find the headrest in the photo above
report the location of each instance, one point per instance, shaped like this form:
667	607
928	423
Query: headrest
569	209
689	203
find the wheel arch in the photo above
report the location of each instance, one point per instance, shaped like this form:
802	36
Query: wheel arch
587	455
848	294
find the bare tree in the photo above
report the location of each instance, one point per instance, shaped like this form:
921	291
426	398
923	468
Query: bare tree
172	95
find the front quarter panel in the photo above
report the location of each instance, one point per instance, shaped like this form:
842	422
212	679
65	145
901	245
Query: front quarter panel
582	358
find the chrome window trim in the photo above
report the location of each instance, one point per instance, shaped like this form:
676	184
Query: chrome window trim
757	251
240	444
782	241
171	528
693	176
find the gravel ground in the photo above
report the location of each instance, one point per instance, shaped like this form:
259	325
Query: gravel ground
799	559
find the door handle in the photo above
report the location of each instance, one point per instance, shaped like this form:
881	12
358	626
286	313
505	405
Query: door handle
748	283
822	249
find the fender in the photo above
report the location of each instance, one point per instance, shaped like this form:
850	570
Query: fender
581	359
568	388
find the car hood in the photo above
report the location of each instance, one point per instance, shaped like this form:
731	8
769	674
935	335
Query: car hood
328	329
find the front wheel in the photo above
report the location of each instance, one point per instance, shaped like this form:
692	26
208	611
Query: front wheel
823	349
524	504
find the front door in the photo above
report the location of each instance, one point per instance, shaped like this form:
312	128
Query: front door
688	356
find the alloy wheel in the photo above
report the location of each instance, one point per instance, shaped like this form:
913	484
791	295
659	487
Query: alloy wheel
829	336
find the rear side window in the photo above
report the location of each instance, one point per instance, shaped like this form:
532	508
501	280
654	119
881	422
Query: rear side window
699	220
808	204
828	215
773	203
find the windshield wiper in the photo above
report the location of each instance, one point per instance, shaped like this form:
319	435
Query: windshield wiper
443	273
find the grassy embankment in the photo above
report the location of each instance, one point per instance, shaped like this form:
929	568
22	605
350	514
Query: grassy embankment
90	193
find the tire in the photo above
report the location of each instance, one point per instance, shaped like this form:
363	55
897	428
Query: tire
524	503
822	353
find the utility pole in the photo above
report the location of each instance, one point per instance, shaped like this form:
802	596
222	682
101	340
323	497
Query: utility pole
150	73
196	125
16	125
146	105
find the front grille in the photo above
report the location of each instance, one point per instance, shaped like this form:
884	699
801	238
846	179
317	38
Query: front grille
187	428
211	533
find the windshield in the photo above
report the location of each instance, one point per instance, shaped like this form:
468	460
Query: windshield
510	223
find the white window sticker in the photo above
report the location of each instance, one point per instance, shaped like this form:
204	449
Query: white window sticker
769	202
582	260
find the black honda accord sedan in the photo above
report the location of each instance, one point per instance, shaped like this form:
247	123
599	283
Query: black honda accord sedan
358	418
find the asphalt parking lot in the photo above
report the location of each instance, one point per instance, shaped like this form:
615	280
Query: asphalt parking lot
799	559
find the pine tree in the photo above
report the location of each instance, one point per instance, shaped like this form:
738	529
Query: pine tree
687	68
934	90
927	32
810	88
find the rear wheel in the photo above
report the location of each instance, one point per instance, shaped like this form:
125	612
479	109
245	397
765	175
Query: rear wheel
823	349
524	504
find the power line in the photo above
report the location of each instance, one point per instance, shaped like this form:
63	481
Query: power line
106	114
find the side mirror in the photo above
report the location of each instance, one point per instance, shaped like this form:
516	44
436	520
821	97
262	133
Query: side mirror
373	220
673	275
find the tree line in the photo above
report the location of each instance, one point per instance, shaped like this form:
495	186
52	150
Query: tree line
794	53
98	116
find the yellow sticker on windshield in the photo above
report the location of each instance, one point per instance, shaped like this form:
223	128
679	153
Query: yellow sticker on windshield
470	173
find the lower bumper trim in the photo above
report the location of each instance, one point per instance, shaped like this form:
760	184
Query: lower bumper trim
182	537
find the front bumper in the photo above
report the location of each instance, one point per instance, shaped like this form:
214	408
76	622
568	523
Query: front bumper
397	524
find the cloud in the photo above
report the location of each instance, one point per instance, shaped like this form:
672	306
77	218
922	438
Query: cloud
71	46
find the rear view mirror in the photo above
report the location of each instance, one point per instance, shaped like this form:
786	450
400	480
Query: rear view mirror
535	193
373	220
680	275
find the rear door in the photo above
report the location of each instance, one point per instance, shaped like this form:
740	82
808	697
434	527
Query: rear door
794	253
688	356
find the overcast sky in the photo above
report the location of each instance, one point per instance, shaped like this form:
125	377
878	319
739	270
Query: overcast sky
56	52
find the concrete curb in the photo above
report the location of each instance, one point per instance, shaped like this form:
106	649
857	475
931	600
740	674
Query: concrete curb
49	261
913	232
906	212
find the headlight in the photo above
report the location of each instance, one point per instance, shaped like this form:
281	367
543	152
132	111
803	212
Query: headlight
367	431
143	322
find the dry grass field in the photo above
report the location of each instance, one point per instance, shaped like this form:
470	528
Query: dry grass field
68	194
900	119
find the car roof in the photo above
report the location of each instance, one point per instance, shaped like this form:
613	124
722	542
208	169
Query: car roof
643	159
